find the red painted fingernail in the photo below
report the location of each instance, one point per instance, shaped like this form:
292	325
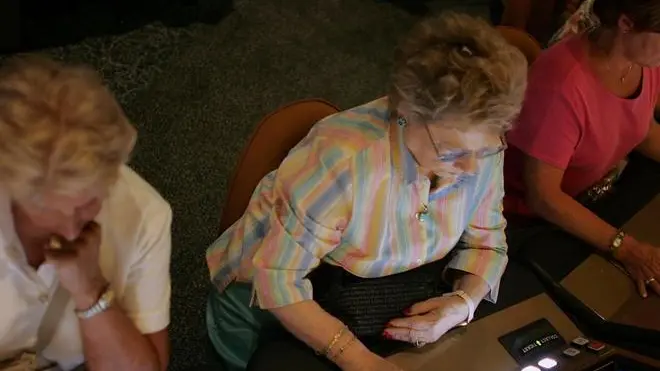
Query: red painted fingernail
407	311
387	335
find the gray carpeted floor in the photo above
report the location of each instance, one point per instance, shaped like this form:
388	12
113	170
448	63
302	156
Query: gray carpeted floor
196	93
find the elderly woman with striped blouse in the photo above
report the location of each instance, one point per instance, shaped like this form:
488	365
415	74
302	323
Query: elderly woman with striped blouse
380	189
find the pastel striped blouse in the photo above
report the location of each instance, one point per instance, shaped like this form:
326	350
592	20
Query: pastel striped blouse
349	194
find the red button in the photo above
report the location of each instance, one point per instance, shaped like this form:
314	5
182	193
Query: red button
596	346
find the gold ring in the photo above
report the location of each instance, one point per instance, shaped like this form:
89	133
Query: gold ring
649	281
416	342
55	243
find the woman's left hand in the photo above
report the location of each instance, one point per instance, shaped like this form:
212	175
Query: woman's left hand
77	265
427	321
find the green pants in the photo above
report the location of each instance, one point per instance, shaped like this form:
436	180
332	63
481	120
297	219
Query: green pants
235	328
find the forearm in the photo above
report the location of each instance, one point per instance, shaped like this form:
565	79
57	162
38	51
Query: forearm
650	146
112	342
311	324
571	216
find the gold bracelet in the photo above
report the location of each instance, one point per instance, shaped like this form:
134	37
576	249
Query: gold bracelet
334	340
343	347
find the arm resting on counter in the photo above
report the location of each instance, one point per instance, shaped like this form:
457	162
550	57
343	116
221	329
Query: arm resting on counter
546	198
480	259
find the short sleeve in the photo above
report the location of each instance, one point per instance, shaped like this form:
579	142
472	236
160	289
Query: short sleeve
311	206
146	299
549	125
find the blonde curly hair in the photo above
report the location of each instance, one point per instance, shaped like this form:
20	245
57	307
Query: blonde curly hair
61	130
457	69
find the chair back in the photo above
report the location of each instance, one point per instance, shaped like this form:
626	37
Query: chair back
525	42
270	143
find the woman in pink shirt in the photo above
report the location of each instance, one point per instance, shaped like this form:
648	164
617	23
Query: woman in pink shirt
589	104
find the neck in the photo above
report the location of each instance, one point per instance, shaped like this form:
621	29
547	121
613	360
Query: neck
412	140
609	51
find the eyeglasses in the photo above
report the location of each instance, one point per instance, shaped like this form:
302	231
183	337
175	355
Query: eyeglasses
456	155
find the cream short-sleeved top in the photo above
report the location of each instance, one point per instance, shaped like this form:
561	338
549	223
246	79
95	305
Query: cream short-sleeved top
134	257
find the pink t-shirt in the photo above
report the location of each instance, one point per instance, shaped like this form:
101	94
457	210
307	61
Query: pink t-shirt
570	121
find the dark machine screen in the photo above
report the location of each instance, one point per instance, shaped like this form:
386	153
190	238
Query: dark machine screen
530	341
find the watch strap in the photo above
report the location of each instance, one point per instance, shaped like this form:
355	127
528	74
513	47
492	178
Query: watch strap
104	303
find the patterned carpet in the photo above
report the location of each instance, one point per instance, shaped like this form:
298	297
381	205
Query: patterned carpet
196	93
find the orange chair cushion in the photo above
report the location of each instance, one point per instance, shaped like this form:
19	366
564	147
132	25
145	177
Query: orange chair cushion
272	140
525	42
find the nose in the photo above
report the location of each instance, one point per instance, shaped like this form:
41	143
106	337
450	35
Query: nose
467	164
70	228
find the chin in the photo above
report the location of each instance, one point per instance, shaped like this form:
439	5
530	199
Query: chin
649	63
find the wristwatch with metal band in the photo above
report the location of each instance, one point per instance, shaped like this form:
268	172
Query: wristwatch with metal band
104	303
616	243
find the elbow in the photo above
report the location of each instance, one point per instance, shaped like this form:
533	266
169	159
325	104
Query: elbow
153	362
285	314
161	364
280	291
542	202
535	202
154	366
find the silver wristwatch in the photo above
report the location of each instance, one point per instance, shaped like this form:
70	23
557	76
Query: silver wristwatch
101	305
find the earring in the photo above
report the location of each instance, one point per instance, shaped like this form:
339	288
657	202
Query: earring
402	121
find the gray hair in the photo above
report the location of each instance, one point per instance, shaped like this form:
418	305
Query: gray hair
458	69
61	129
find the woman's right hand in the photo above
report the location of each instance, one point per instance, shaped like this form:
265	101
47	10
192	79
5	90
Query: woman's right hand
642	261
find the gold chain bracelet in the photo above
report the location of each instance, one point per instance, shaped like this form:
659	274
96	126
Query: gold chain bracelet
334	341
343	347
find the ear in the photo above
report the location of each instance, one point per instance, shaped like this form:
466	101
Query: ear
403	110
626	25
